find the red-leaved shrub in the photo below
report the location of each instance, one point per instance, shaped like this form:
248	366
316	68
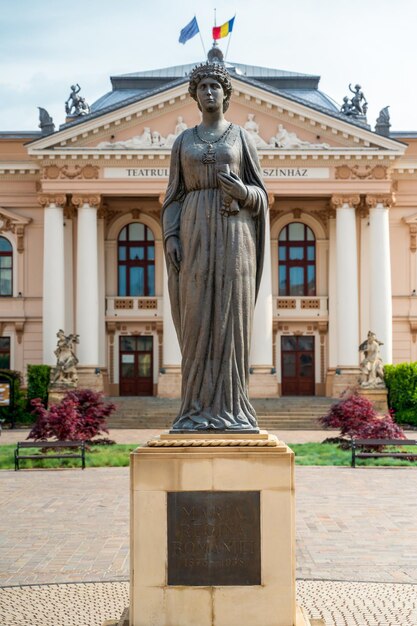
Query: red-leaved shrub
356	417
80	416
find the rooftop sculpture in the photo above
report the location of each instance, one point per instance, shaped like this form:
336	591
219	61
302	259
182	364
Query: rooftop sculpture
76	105
46	123
383	122
357	105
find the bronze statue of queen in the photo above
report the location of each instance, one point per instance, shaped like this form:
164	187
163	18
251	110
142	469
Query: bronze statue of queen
213	222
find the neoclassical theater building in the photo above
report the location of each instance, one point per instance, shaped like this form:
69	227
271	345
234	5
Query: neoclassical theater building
81	248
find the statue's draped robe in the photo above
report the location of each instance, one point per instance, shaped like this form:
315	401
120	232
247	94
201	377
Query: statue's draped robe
213	295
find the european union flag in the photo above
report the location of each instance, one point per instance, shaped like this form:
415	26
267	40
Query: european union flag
189	31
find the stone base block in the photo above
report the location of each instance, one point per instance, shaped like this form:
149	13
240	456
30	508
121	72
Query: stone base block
344	378
189	530
302	619
90	378
57	392
169	383
379	397
263	384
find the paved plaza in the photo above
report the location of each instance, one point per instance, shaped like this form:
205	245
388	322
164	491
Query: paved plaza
64	546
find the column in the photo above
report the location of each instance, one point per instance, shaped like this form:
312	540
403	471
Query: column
69	214
53	303
347	299
101	288
169	381
332	337
87	309
380	294
262	382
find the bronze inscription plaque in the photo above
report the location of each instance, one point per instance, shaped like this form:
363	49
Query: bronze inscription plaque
214	538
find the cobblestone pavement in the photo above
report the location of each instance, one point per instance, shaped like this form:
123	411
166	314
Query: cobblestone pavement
89	604
72	525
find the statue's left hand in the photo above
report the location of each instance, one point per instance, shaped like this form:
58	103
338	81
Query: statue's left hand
233	186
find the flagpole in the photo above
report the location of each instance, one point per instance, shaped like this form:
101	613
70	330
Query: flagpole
202	43
228	43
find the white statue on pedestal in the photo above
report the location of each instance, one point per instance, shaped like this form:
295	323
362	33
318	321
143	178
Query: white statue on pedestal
179	128
290	140
372	369
252	128
65	372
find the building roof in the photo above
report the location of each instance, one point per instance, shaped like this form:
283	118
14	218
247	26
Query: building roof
20	134
126	87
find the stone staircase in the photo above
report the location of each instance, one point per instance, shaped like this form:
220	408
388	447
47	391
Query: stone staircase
288	413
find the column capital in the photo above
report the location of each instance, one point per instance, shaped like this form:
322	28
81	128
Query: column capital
45	199
93	200
386	199
339	200
271	199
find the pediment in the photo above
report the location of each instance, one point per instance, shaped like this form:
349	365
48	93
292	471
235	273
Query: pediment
10	220
278	124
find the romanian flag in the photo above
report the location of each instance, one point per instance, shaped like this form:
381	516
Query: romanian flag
223	30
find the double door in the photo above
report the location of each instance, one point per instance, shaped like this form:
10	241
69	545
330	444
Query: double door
136	366
297	366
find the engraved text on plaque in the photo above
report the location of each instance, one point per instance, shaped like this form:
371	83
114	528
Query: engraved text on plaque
214	538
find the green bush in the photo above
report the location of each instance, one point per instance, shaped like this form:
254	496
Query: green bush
401	381
18	412
38	383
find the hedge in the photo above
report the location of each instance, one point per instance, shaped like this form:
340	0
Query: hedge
401	381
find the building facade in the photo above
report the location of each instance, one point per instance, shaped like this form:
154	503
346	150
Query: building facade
81	246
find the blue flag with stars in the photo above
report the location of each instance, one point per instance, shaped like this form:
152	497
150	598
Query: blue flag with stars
189	31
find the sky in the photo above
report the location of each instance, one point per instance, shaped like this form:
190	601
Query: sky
48	45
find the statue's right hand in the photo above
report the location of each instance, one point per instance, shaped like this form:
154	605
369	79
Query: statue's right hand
173	250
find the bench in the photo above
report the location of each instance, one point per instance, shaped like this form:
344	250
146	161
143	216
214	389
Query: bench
44	445
375	443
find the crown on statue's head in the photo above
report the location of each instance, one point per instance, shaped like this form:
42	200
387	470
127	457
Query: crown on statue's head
212	70
209	69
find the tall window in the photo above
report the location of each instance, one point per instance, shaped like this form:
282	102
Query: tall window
6	267
136	261
297	261
4	353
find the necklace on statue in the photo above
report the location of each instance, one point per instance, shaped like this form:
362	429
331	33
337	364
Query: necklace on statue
209	155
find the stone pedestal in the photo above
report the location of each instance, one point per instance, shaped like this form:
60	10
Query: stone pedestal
213	532
263	384
343	378
90	378
57	392
378	396
169	383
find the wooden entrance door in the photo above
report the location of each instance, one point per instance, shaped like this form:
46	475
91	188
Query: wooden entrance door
297	366
136	366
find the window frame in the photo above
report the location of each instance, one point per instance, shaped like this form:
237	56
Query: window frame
148	244
8	352
9	270
305	263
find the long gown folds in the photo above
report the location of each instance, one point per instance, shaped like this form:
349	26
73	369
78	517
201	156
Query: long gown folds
213	295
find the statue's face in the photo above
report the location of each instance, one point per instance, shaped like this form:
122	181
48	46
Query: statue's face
210	94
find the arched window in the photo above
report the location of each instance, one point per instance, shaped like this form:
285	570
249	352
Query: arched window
6	267
297	260
136	261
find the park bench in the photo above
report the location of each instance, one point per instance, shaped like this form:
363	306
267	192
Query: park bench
377	443
43	446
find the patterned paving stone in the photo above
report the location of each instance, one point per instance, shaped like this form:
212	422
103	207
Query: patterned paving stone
72	526
89	604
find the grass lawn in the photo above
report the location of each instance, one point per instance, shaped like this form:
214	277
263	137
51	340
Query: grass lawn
118	456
